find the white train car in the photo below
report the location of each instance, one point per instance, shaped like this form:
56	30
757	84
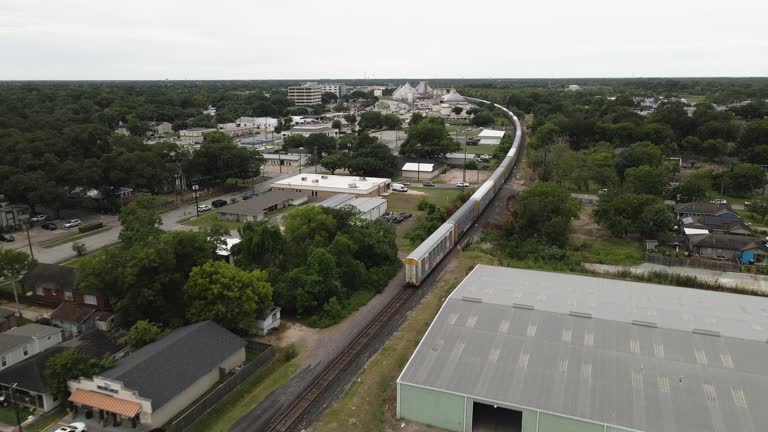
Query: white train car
431	251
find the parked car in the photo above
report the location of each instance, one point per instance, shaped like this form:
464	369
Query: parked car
462	185
404	183
203	207
72	223
50	226
484	158
397	187
7	238
219	203
719	201
73	427
747	204
38	218
428	184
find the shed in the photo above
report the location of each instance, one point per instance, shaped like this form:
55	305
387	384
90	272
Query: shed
491	136
268	321
419	170
74	318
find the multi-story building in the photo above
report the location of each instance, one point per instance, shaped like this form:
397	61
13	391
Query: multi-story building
338	89
306	95
13	216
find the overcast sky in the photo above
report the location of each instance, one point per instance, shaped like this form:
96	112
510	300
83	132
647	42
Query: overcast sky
311	39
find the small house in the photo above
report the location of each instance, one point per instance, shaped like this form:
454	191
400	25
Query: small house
719	246
23	342
7	319
269	321
55	284
256	209
698	209
74	318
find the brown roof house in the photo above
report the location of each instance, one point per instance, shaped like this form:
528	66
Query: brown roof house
56	284
74	318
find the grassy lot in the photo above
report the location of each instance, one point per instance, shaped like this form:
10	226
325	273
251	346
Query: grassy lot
612	251
208	220
75	238
248	395
480	149
46	421
694	99
8	415
470	131
407	201
370	403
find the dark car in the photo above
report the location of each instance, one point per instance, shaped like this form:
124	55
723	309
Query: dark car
428	184
7	237
219	203
50	226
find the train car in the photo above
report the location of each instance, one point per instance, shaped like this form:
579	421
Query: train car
483	196
424	258
431	251
463	219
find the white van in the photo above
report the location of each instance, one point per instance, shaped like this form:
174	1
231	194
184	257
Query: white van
397	187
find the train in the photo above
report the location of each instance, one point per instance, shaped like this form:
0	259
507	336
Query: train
420	263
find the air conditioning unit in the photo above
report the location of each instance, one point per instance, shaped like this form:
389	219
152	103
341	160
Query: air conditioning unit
303	179
324	176
362	179
352	185
315	181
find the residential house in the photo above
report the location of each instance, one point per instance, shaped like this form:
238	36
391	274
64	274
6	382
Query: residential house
7	319
152	385
160	129
74	318
755	253
13	216
719	225
22	342
256	208
697	209
268	321
31	389
55	284
719	246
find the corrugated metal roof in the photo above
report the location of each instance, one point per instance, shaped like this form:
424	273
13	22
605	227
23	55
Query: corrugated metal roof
336	200
639	356
366	204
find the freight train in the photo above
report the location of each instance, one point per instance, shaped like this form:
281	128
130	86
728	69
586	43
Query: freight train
431	251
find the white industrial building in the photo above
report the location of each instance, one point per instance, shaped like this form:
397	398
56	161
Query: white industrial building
420	171
491	136
322	186
308	130
534	351
306	95
370	208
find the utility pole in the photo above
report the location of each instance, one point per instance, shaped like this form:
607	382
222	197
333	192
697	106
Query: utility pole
464	176
316	162
16	406
196	195
29	241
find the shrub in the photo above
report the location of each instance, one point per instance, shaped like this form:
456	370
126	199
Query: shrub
90	227
79	248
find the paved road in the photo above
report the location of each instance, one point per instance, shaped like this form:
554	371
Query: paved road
170	219
595	198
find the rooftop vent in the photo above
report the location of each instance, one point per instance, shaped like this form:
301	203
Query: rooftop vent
352	185
363	179
472	299
303	179
522	306
580	314
323	176
706	332
644	323
315	181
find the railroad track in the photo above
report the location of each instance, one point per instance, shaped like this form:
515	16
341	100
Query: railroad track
291	419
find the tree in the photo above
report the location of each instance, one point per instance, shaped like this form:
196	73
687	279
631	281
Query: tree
646	180
140	221
600	167
545	213
262	246
142	333
219	159
335	162
371	120
71	364
294	141
308	227
744	178
328	97
457	110
12	264
336	124
231	297
79	248
351	119
319	143
759	206
638	154
428	139
626	214
392	121
416	118
694	188
483	118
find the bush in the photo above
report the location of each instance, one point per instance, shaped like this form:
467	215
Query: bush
91	227
79	248
289	353
471	165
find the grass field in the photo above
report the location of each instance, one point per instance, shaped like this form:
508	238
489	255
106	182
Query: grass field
46	420
248	395
613	252
480	149
74	238
407	201
370	403
8	415
208	220
694	99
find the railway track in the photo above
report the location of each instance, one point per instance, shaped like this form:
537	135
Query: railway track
290	420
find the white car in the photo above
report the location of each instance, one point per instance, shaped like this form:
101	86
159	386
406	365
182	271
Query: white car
719	201
38	218
462	184
203	207
72	223
73	427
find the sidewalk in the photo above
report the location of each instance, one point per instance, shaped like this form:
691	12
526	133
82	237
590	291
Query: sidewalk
745	281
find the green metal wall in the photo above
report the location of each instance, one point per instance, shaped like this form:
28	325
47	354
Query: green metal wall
443	410
551	423
529	417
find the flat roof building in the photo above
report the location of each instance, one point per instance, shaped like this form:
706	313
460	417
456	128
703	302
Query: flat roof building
310	129
370	208
421	171
491	136
541	352
322	186
256	208
306	95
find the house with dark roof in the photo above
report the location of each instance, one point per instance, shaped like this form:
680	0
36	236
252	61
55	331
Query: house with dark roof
718	225
56	284
7	319
153	384
722	246
20	343
697	209
74	318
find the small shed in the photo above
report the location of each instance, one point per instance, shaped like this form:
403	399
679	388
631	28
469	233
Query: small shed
74	318
422	171
491	136
269	321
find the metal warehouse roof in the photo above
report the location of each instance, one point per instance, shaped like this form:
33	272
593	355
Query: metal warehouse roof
638	356
366	204
336	200
491	133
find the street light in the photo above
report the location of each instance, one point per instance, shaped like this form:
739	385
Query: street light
195	187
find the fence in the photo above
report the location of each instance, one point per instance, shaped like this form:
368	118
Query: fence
264	354
693	263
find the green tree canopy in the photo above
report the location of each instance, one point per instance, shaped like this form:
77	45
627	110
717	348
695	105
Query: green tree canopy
428	139
71	364
262	245
638	154
632	214
140	221
143	333
646	180
545	213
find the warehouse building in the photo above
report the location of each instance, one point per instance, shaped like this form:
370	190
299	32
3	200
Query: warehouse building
322	186
256	209
531	351
368	207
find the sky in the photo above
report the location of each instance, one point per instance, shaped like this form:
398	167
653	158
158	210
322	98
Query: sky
354	39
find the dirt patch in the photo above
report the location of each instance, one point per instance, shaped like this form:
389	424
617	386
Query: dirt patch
293	333
413	192
585	226
456	175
